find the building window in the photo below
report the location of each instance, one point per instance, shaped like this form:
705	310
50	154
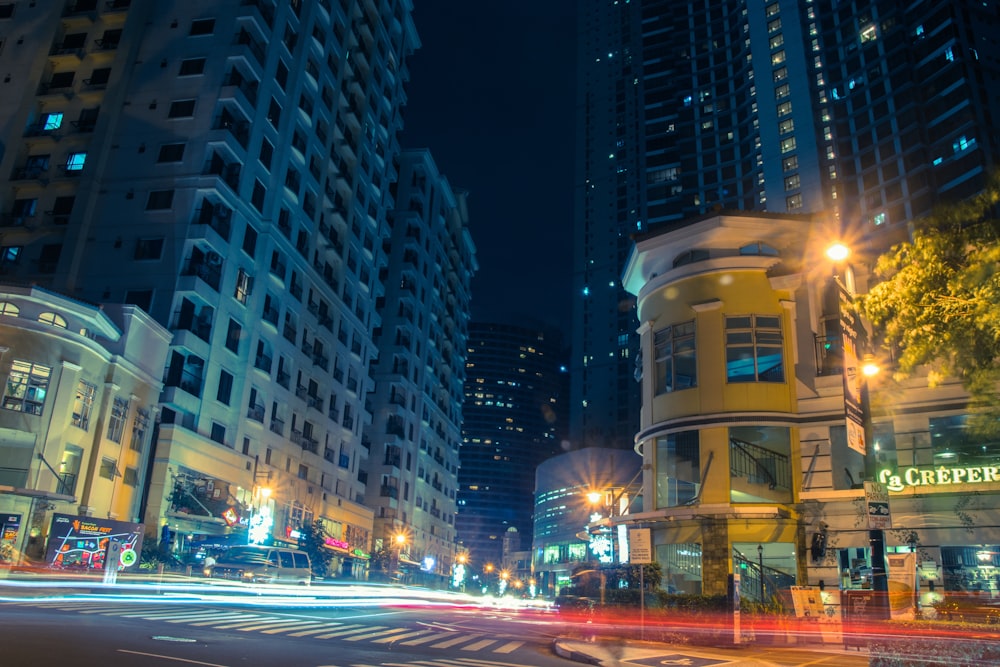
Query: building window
160	200
139	428
782	91
784	108
778	57
148	248
760	464
274	113
181	109
75	161
258	195
116	422
9	309
202	27
108	469
788	144
191	67
53	320
675	358
786	126
27	386
142	298
244	285
225	390
794	202
266	153
754	349
678	469
218	433
131	477
281	74
780	74
774	26
250	241
171	153
792	182
51	122
83	404
790	163
7	10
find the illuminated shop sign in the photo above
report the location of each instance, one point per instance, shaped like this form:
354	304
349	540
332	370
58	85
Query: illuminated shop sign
940	476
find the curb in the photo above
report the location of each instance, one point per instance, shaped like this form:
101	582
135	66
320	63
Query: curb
570	654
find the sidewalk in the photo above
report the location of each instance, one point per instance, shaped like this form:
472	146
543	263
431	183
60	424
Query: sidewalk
612	652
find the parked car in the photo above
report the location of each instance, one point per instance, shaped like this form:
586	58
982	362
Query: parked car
262	565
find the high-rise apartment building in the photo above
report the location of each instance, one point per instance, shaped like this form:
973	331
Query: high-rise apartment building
870	112
415	435
226	166
515	418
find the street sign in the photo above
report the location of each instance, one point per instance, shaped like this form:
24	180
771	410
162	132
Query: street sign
877	502
640	546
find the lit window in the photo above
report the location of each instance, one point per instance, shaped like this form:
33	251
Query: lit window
754	349
962	143
778	57
949	54
52	121
9	309
792	182
784	108
53	319
75	161
775	25
83	404
790	163
879	219
27	386
869	33
794	202
778	40
782	91
786	126
788	144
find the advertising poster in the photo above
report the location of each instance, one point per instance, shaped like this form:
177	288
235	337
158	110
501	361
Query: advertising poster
80	542
902	585
852	378
10	526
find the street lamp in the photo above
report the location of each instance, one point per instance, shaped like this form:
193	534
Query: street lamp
857	407
760	570
400	540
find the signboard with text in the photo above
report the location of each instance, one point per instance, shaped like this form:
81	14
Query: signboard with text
851	331
640	545
80	542
877	502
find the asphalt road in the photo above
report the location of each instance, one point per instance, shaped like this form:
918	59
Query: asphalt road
81	633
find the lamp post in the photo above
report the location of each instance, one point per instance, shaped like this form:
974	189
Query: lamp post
400	540
488	571
857	405
760	570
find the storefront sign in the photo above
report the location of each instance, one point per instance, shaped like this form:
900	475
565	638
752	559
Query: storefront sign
940	476
854	407
339	544
877	500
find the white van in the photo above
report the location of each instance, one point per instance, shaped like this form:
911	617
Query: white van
262	565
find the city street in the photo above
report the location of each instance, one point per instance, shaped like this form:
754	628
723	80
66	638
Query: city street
128	627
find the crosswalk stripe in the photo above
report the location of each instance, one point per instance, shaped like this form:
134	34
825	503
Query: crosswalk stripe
481	644
229	626
167	615
313	631
370	635
456	640
508	647
428	638
107	611
286	624
386	640
294	626
222	618
329	635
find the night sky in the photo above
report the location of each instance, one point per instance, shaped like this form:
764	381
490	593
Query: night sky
491	94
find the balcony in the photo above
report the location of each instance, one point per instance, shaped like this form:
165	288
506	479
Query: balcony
256	413
209	272
389	492
244	38
289	333
283	379
215	217
315	402
309	444
263	363
239	129
277	426
270	315
321	361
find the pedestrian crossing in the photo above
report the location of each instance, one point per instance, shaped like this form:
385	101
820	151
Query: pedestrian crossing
274	624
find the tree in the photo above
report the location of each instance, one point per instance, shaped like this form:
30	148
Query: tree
312	539
938	300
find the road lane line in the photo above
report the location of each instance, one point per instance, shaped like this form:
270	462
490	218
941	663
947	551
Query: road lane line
170	657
